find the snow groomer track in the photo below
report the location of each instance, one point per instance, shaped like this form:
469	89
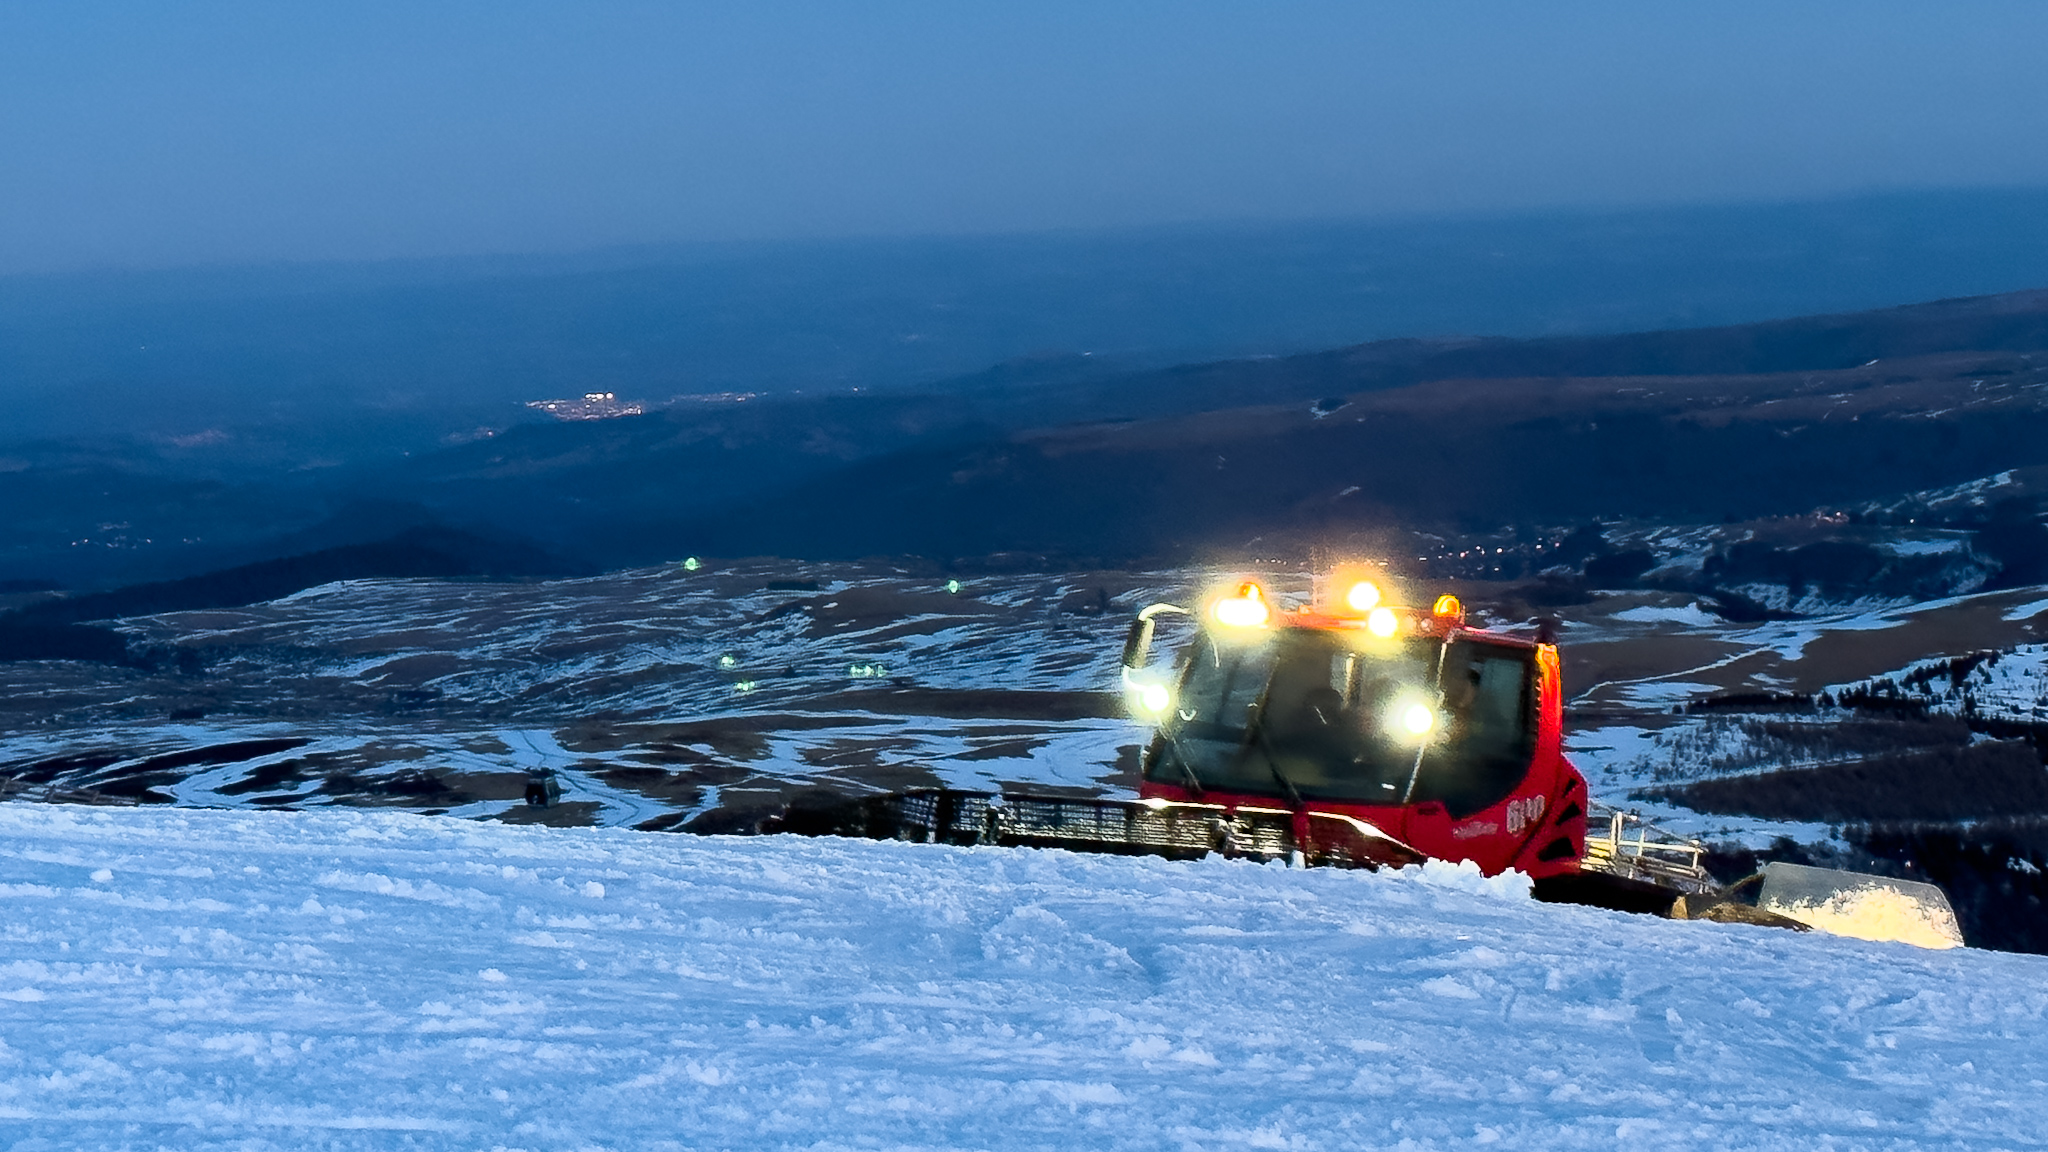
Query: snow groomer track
210	979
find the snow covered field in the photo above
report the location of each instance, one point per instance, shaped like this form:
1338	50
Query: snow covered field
655	693
248	980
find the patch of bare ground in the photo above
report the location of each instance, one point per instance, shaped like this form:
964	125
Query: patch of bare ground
430	639
567	814
852	753
1124	773
978	703
882	777
591	641
742	809
875	606
47	770
488	785
1590	666
144	780
743	737
681	789
759	802
1600	671
412	788
1926	633
604	684
267	778
1962	782
1003	750
353	777
670	756
413	669
219	620
997	731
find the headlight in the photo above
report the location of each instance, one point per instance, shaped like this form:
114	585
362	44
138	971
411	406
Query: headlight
1148	698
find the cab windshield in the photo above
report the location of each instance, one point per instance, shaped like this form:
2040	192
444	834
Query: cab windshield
1320	714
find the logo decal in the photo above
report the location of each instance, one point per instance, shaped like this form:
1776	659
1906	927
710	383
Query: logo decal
1523	814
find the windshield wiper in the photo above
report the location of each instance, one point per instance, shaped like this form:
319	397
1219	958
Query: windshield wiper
1437	682
1180	757
1256	731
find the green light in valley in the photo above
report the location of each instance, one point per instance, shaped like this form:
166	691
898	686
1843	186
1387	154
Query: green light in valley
692	564
953	586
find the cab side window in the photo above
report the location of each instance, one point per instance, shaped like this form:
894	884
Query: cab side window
1490	713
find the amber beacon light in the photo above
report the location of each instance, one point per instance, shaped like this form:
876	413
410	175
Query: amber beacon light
1245	609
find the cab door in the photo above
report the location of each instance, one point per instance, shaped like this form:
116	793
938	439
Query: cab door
1475	796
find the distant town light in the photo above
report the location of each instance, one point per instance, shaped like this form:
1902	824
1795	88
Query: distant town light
692	564
592	406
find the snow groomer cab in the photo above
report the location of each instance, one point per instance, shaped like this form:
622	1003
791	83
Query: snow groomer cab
1386	733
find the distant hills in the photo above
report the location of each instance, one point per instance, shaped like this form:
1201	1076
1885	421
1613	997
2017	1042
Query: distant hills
1081	461
1445	436
293	364
52	628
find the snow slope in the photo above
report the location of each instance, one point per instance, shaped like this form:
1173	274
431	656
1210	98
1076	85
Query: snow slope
209	979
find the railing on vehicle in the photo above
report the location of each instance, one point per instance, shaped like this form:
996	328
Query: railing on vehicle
1635	849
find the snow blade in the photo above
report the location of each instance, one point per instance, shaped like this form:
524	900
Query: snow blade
1182	831
1860	905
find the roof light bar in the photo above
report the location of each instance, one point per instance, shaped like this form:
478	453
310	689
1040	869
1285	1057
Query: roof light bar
1363	596
1246	609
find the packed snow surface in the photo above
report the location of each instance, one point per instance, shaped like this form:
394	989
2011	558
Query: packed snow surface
231	979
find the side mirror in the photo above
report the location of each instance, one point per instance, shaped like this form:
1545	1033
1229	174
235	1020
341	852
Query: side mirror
1138	643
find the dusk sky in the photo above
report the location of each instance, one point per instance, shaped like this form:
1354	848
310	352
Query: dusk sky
155	134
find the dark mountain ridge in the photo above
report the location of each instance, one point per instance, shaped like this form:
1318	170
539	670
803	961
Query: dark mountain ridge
1448	457
2013	322
1063	457
1705	424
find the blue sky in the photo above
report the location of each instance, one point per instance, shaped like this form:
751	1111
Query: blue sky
161	134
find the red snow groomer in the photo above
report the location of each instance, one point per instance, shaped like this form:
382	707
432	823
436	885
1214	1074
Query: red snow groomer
1360	733
1353	733
1382	734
